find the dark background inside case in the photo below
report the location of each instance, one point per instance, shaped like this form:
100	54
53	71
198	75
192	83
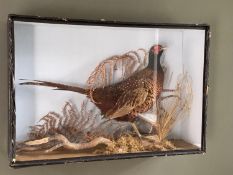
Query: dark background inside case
219	155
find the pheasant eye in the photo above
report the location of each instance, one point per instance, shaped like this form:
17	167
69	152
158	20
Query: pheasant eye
157	49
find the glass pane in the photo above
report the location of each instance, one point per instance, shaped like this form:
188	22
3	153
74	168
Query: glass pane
118	90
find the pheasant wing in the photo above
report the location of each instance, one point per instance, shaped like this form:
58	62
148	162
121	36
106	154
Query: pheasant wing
127	102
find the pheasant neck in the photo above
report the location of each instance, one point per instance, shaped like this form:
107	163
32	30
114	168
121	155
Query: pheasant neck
154	62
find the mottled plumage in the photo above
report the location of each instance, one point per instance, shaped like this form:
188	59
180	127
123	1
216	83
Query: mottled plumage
124	100
136	94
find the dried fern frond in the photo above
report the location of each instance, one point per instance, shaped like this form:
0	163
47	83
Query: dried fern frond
128	63
50	125
116	68
72	123
78	125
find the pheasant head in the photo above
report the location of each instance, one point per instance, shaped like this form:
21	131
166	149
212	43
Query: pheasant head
155	54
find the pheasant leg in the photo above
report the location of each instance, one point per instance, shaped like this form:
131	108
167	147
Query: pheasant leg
145	119
169	96
169	90
136	130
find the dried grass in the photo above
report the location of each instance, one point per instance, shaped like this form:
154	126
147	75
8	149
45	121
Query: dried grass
171	110
124	144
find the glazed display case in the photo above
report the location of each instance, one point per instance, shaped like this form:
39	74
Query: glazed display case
82	90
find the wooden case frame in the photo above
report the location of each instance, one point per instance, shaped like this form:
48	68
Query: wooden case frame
54	20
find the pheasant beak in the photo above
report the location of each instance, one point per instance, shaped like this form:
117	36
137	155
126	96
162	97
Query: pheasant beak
163	48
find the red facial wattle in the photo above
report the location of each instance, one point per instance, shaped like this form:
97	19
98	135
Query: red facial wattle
157	49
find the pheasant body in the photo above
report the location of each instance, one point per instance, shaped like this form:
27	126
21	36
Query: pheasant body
125	99
136	94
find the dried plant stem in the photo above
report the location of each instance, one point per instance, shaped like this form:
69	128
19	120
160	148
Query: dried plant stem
37	142
67	144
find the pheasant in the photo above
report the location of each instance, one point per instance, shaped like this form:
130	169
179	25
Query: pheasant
126	99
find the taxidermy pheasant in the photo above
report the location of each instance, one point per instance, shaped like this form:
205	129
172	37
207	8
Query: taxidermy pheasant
124	100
